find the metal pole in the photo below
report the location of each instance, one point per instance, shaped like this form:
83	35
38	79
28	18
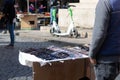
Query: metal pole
28	6
35	6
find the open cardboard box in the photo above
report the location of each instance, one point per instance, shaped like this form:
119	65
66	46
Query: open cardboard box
74	67
68	70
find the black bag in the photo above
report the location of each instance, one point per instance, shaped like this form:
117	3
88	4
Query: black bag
3	22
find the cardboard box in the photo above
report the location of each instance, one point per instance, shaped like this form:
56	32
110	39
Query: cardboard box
69	70
29	21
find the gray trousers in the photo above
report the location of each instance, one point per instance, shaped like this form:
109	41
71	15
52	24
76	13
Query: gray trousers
107	71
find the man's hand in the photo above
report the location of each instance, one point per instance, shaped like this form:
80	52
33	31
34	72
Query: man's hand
93	61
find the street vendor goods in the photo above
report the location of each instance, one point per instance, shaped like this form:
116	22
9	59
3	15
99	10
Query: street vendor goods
50	54
46	54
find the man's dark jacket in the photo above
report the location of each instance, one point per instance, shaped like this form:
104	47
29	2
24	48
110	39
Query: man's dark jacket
9	10
105	45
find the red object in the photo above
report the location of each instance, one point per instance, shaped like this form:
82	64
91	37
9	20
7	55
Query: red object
47	14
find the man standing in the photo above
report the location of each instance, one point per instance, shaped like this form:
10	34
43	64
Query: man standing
9	14
53	3
105	45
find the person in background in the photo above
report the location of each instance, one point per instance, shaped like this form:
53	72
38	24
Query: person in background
105	45
41	8
52	4
31	8
9	14
16	7
3	22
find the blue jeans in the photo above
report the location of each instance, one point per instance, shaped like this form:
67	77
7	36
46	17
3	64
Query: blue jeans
51	16
11	31
107	71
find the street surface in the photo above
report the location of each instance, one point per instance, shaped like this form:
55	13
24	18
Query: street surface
11	69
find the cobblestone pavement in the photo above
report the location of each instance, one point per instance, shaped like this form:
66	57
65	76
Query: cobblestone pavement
10	68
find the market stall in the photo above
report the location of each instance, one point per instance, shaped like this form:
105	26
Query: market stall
30	17
54	63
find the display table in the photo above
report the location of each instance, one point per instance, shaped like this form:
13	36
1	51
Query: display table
43	19
34	21
59	69
29	21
